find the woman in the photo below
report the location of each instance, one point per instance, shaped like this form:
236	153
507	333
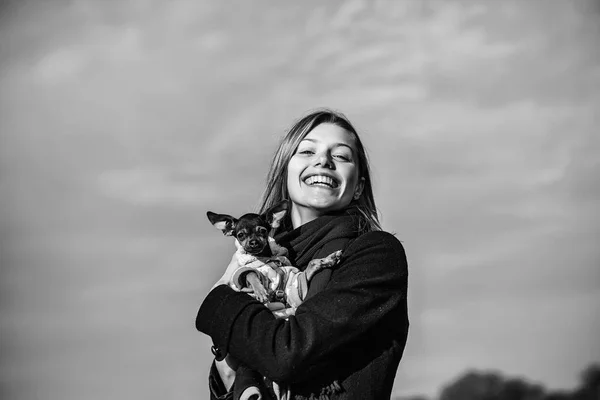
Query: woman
347	338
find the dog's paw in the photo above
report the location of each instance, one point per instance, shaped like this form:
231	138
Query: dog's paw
326	262
260	294
284	313
332	259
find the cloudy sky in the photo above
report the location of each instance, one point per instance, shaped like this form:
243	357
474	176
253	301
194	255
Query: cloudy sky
122	123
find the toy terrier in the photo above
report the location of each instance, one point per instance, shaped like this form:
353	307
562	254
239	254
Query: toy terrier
266	274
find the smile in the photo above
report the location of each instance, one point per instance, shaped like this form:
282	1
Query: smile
321	180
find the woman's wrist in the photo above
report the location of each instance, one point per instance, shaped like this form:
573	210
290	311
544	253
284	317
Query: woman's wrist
218	387
226	373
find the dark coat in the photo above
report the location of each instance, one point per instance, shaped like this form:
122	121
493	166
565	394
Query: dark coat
351	330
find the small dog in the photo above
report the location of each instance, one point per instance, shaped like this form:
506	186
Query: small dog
265	272
267	275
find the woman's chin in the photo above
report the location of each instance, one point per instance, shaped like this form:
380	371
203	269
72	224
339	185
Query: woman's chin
324	207
315	207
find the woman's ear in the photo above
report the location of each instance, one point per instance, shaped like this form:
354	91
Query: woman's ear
359	188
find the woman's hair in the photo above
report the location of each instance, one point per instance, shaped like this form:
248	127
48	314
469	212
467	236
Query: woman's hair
276	188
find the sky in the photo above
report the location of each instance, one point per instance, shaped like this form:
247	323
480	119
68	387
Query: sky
122	123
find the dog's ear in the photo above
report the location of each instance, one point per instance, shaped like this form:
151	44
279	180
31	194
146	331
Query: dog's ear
224	222
275	214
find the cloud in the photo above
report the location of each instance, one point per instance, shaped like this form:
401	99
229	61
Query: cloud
59	65
150	186
347	13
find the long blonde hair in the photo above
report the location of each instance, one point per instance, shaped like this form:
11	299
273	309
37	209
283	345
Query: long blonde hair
276	185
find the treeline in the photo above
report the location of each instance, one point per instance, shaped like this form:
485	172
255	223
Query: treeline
485	385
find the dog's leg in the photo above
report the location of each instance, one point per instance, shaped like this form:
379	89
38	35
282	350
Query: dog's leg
318	264
260	293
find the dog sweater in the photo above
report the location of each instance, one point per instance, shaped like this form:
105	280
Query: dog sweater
284	282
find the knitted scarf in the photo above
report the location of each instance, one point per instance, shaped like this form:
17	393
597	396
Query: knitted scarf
305	241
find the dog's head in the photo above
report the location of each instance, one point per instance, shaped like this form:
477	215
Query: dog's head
250	230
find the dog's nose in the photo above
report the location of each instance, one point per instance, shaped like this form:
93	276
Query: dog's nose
253	242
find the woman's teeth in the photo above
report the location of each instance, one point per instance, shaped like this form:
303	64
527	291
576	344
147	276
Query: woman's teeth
321	180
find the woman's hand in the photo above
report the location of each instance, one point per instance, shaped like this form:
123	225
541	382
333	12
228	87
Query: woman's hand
226	278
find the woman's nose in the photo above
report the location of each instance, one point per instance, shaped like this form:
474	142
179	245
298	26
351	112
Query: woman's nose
324	160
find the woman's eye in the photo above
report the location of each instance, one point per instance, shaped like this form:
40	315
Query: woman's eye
342	157
306	151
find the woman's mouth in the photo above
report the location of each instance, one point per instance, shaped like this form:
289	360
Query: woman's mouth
321	180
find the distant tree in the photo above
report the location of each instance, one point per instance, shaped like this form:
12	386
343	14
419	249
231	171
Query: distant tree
519	389
558	396
491	386
473	385
417	397
589	388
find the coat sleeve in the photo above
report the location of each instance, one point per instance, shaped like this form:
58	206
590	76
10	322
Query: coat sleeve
370	285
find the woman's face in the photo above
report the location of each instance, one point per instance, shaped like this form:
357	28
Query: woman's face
323	173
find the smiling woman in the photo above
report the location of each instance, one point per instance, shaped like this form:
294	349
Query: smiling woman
328	140
346	339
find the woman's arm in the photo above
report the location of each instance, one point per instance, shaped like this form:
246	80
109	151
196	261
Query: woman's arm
369	286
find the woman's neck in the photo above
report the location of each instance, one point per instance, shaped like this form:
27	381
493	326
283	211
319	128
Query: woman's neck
302	215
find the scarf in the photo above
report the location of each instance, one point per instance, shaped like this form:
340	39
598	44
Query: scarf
304	242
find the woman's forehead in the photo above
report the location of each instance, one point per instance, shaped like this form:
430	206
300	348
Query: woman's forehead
331	134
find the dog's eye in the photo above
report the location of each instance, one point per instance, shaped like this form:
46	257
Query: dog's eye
261	230
240	235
